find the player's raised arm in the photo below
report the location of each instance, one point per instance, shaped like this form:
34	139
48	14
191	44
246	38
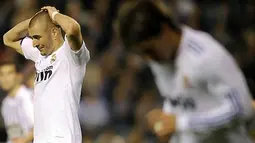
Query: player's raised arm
225	82
13	37
70	26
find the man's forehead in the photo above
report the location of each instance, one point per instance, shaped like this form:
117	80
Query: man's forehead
7	67
38	26
31	33
35	30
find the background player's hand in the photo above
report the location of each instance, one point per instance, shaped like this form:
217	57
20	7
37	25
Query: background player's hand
161	123
50	10
253	104
18	140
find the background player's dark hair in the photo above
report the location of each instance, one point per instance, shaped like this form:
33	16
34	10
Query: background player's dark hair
142	20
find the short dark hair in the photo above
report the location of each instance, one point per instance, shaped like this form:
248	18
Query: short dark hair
41	16
141	20
4	63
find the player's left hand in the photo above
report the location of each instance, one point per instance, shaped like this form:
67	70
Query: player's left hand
50	10
161	123
253	104
18	140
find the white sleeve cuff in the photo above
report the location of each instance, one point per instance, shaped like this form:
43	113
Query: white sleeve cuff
182	123
78	51
80	56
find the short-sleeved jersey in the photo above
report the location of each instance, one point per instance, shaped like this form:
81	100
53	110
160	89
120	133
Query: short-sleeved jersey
206	90
57	90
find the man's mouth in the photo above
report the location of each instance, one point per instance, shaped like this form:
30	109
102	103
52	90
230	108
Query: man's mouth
40	48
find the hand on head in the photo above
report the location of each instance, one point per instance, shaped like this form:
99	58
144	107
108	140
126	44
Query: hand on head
51	10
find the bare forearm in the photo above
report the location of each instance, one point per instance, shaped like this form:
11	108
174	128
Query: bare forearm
68	24
17	32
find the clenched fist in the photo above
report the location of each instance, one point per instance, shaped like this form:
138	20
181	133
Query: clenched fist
162	124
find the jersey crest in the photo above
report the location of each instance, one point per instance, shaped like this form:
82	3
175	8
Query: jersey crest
53	58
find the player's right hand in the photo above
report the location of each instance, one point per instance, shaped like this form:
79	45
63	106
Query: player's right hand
50	10
161	123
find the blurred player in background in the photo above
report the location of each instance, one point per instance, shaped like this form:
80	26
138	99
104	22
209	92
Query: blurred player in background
60	68
206	96
17	107
251	124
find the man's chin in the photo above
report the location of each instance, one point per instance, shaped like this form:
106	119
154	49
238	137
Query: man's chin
43	54
6	89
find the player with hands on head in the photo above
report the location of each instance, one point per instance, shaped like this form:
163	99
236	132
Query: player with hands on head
60	62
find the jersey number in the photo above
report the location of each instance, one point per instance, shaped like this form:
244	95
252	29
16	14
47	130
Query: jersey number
183	102
44	75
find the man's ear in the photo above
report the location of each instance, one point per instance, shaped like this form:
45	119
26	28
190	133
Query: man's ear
54	31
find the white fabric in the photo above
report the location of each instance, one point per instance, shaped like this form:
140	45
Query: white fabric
28	50
17	113
58	84
206	90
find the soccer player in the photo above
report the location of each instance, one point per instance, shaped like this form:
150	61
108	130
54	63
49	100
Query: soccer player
206	96
251	124
60	68
17	107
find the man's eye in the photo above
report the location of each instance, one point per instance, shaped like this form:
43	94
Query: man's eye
36	37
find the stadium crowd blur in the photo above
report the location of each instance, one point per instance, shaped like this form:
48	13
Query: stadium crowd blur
118	87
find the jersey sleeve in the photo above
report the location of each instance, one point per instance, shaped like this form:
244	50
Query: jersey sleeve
79	57
225	81
28	50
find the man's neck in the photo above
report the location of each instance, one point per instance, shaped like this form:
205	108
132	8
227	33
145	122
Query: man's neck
58	43
14	90
176	46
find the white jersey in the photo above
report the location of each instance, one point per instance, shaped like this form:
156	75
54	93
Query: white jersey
58	84
206	90
17	112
